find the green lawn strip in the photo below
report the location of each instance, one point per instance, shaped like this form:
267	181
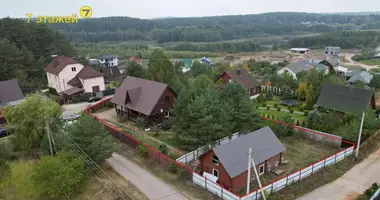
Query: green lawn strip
280	114
374	61
328	174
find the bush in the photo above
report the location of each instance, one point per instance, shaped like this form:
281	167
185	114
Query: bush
306	112
289	107
278	108
182	173
164	149
301	108
81	98
268	107
264	105
303	124
108	104
143	151
173	156
141	122
172	168
53	91
275	105
291	110
297	123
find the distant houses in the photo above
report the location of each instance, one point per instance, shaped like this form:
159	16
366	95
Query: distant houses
135	60
10	95
303	66
332	51
108	60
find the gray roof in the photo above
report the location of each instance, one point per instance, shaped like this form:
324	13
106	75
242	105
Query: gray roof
344	98
363	77
352	73
107	56
234	155
300	66
10	92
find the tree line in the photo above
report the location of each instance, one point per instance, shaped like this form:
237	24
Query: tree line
230	47
209	29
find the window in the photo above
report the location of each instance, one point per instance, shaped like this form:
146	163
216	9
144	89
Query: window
261	169
215	160
101	60
276	164
167	99
167	114
73	69
215	172
111	64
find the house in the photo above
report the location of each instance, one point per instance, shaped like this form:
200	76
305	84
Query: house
299	50
187	64
244	78
137	97
10	95
111	73
296	67
330	62
135	60
362	76
332	51
206	60
108	60
343	71
228	162
69	77
345	99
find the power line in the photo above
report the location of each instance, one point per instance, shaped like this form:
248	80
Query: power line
95	168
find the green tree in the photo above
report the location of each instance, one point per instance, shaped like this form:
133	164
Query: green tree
314	120
18	183
287	93
302	91
199	68
28	119
375	81
60	176
243	115
282	130
160	67
92	138
134	69
309	98
349	131
269	94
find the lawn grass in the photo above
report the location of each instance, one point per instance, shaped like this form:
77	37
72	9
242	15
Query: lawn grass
373	61
352	67
168	138
300	152
276	113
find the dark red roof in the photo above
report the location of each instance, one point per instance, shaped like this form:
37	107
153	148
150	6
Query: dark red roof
139	94
59	63
75	82
88	72
135	59
243	77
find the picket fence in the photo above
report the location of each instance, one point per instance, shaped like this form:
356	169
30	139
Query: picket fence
194	155
275	90
376	196
276	185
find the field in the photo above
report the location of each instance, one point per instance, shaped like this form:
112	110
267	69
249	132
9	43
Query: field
374	61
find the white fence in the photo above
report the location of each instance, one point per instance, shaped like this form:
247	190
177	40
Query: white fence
376	195
194	155
275	186
275	90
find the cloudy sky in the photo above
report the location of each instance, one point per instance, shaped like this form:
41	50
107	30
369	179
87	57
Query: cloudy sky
179	8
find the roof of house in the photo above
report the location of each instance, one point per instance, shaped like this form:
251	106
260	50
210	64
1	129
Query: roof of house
74	82
234	155
246	79
111	72
205	59
320	67
135	59
88	72
187	62
344	98
59	63
10	91
300	66
107	56
139	94
73	90
363	77
333	62
300	49
352	73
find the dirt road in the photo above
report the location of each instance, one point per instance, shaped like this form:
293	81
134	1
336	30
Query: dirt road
352	183
354	63
150	185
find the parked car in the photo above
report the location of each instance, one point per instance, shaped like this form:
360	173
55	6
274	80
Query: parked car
67	116
3	132
94	98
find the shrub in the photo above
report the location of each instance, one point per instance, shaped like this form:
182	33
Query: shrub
268	107
257	106
141	122
291	110
275	105
173	156
182	173
297	123
278	108
306	112
301	108
303	124
143	151
53	91
164	149
264	105
168	123
172	168
108	104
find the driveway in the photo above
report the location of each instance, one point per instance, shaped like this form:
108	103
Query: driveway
79	107
150	185
352	183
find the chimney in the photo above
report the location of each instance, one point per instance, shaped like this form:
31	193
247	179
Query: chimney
238	71
53	56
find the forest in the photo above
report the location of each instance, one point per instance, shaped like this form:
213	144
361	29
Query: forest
25	50
210	29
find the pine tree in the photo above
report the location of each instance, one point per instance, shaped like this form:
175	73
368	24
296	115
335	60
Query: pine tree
160	68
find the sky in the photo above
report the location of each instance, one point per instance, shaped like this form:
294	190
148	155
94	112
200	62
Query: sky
148	9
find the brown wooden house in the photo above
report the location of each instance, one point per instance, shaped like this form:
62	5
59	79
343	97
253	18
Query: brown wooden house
241	76
345	99
137	97
10	95
229	162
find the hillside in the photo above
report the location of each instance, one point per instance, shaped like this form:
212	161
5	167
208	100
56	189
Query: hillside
211	29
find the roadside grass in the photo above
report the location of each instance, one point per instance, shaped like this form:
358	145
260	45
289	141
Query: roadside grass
186	187
373	61
328	174
97	188
300	152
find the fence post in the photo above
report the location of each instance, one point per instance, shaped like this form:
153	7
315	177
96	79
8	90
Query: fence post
222	193
312	168
271	190
299	178
185	158
159	155
344	153
286	181
205	183
256	195
335	159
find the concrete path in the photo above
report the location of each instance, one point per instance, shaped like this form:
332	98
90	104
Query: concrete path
352	183
151	186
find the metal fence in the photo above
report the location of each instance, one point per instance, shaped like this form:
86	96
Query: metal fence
376	196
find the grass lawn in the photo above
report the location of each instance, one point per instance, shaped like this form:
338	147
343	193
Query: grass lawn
296	116
373	61
352	67
299	153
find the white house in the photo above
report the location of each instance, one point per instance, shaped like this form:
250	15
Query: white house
68	76
296	67
108	60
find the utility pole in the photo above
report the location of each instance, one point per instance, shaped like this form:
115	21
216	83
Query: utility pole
49	138
360	135
250	159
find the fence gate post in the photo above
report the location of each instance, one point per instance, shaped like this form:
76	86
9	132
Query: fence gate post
185	158
344	154
271	190
300	175
221	196
205	183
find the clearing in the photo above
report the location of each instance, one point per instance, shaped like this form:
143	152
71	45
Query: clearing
373	61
